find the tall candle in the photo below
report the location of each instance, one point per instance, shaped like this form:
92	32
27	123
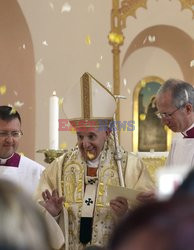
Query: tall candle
53	122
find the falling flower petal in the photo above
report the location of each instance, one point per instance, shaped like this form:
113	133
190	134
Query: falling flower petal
128	91
15	92
39	66
88	40
151	39
3	89
144	41
63	145
61	101
91	8
142	117
143	83
192	63
109	87
44	43
24	46
73	131
66	8
97	65
13	111
51	5
18	104
125	81
101	57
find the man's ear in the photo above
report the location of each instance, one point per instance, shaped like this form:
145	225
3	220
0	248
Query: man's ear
189	108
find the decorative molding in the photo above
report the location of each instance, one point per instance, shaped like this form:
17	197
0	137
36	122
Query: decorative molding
129	7
119	13
188	4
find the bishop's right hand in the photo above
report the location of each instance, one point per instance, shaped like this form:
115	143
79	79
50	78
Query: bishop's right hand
52	202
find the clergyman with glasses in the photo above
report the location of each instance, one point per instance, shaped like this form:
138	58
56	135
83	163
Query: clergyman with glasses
175	103
13	166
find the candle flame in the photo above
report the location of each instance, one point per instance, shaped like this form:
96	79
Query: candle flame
54	92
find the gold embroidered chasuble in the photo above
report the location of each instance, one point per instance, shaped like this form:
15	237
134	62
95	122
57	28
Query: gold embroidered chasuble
68	174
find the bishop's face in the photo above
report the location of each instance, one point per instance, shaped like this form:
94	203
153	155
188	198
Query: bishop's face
91	143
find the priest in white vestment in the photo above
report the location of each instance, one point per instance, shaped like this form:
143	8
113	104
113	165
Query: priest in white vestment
74	187
175	103
17	168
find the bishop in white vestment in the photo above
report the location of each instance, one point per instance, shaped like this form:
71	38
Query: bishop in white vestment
82	175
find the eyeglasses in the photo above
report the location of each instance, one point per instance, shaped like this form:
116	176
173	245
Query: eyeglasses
167	115
14	134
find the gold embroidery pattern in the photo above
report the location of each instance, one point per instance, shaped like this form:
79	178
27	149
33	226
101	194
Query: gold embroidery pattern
72	179
86	96
74	170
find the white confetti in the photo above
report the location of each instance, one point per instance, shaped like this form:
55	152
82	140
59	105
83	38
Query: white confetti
24	46
51	5
109	87
101	57
66	7
125	81
151	39
18	104
144	41
128	91
91	8
15	92
39	66
192	63
97	65
44	43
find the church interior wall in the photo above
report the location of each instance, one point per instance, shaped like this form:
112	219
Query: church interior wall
17	70
64	39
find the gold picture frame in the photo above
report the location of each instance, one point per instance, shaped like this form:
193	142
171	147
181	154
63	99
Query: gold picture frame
137	90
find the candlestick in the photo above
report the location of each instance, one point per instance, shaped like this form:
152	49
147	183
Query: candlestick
53	122
50	154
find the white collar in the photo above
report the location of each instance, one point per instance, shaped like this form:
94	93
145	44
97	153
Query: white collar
185	132
4	160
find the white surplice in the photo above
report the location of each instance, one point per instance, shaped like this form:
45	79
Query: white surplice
181	153
26	175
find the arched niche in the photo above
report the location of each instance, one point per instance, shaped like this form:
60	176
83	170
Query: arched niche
17	70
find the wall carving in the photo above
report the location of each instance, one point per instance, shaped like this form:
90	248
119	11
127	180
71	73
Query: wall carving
119	13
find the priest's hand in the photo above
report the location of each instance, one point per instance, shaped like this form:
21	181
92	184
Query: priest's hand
119	206
146	197
52	202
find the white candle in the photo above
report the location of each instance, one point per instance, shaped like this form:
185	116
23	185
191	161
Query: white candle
53	122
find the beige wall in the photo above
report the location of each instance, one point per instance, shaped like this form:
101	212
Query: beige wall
17	69
67	55
169	56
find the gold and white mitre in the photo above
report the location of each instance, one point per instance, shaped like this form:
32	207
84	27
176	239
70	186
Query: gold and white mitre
90	101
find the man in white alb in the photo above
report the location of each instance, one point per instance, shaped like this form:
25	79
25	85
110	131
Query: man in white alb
13	166
81	175
175	103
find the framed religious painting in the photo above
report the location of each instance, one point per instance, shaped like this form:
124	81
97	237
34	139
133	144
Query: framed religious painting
150	134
